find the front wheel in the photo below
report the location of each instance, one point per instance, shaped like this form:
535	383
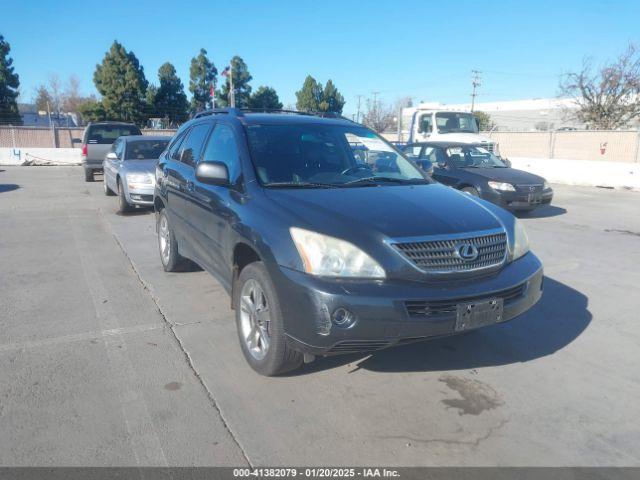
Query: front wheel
260	325
123	205
107	191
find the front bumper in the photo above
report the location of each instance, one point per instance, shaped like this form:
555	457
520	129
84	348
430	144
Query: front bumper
380	307
140	195
519	200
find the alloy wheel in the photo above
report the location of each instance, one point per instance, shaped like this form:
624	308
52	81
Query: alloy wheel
255	319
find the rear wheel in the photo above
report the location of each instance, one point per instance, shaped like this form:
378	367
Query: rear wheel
260	325
470	191
171	260
88	175
123	205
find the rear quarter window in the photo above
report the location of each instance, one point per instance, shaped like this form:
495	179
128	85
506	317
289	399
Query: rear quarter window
107	134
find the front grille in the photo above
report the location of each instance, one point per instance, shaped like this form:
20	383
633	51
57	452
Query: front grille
444	308
358	346
441	256
530	188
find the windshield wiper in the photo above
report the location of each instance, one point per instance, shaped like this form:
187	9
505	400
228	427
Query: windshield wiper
300	185
375	180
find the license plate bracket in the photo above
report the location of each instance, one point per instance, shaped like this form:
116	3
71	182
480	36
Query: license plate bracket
470	315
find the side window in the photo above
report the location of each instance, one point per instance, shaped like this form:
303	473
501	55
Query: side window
174	149
192	147
413	150
120	149
425	124
222	147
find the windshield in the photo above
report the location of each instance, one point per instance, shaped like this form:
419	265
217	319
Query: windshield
456	122
145	149
473	157
317	155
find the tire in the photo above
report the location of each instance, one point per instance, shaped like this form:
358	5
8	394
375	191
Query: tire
470	191
277	357
171	260
123	205
107	191
88	175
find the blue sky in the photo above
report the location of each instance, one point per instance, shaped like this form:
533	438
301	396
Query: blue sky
423	49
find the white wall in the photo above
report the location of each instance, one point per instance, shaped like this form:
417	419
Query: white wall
54	156
582	172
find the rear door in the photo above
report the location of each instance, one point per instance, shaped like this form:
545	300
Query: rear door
181	175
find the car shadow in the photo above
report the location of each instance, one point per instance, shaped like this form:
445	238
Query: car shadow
543	212
554	322
136	212
8	187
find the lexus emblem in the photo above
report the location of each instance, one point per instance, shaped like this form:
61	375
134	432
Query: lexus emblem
532	189
467	251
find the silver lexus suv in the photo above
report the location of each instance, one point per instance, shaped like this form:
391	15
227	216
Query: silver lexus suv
96	143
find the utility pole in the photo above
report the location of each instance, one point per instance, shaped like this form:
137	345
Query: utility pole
359	97
475	81
232	92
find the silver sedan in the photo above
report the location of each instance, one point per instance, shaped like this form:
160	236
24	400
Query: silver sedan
129	169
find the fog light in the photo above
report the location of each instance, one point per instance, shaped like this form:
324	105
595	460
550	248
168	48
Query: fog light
342	317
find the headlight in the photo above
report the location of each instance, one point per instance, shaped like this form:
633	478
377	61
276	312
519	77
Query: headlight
502	186
520	240
545	186
331	257
139	178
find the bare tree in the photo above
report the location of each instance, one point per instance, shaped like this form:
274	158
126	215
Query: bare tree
378	116
608	97
71	96
55	92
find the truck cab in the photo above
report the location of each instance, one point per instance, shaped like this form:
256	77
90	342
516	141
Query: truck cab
440	124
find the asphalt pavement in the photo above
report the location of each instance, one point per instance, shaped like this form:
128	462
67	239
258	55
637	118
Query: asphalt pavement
105	359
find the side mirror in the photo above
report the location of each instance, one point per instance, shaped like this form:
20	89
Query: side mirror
76	140
507	162
212	173
112	156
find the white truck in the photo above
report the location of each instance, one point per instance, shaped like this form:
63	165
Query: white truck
435	123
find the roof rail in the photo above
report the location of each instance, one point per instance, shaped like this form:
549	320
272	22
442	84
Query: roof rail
219	111
297	112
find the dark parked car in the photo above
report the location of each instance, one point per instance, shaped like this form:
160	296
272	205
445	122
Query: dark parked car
327	250
475	170
96	143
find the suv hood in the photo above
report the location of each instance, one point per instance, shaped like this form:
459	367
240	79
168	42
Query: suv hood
510	175
393	211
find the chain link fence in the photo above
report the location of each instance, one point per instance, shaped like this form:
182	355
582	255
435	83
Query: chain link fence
42	137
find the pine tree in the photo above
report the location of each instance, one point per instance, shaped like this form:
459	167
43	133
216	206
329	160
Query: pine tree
309	96
9	84
332	99
241	79
202	75
265	98
121	82
170	100
43	99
